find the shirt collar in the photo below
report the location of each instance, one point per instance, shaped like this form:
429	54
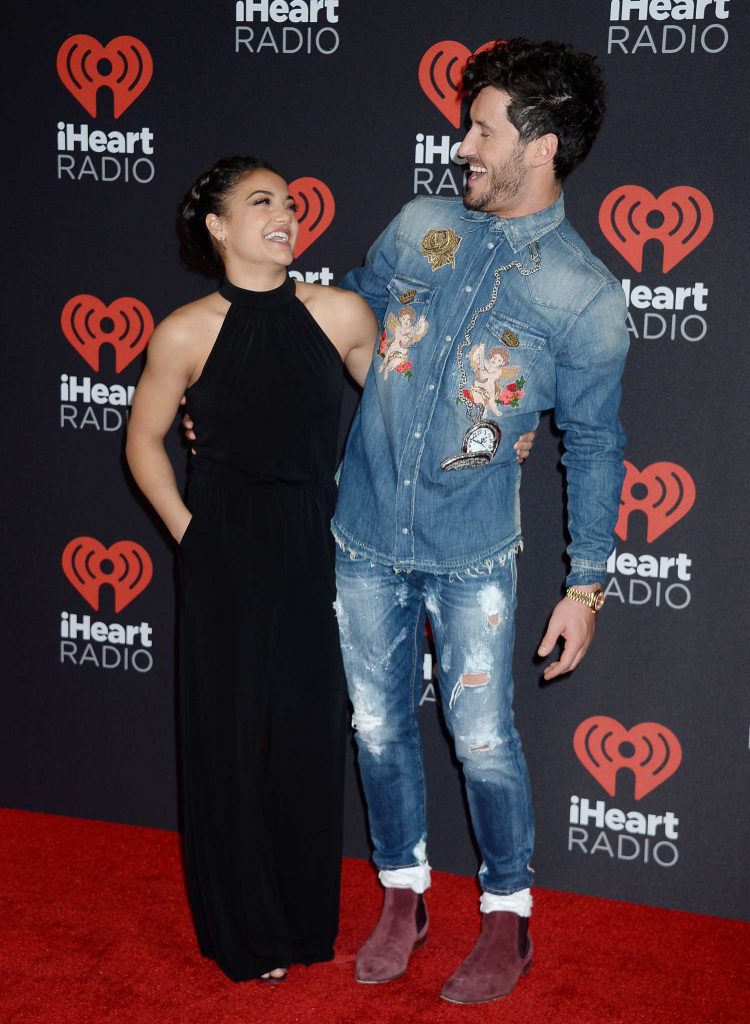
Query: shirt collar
522	231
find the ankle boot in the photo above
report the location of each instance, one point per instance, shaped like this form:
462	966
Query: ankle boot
401	929
502	954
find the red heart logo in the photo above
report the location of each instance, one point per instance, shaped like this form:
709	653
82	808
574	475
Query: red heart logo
126	324
651	751
124	65
315	210
683	219
669	495
129	571
440	72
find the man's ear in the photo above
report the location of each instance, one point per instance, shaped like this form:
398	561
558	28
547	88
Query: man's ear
542	150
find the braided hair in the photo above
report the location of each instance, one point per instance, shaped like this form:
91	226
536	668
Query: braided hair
209	193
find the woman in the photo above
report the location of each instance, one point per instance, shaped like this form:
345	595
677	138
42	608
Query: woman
262	694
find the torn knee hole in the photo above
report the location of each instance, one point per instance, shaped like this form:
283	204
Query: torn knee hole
364	722
480	749
468	681
474	679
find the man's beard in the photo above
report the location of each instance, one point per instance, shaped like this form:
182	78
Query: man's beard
501	185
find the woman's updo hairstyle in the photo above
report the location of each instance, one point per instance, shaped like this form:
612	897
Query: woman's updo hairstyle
209	194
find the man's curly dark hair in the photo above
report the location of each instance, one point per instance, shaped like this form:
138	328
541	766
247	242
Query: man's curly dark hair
553	88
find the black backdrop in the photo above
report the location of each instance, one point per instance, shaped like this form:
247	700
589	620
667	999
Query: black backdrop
640	760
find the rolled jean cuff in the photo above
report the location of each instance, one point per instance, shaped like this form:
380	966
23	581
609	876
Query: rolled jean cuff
584	573
515	902
416	878
584	578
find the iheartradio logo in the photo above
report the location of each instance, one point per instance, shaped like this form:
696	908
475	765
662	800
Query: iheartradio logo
126	324
440	72
125	566
124	66
315	210
649	750
681	218
663	491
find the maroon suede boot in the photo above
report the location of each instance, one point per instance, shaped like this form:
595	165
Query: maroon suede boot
502	954
401	929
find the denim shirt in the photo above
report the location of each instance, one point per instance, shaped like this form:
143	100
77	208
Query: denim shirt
555	338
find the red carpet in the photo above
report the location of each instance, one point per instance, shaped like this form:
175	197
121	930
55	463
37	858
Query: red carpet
95	928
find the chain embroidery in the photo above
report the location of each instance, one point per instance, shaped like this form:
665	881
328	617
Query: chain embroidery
482	439
473	410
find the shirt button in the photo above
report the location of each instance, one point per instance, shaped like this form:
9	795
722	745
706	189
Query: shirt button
404	530
417	433
449	337
431	387
407	483
490	245
468	288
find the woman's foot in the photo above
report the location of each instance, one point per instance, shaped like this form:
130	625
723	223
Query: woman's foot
275	976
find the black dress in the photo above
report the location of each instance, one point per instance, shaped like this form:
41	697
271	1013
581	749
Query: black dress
262	694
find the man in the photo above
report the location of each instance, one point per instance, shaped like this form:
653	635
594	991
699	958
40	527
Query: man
428	519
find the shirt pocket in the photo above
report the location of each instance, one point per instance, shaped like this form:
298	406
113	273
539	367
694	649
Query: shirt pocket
408	291
516	346
406	322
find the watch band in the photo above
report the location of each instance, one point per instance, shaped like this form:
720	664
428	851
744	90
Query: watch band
593	599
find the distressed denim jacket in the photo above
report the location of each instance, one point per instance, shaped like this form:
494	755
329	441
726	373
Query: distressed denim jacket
555	338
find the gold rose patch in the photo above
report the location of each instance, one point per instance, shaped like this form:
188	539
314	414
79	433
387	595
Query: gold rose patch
439	246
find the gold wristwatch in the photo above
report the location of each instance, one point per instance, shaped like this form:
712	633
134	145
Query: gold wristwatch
593	599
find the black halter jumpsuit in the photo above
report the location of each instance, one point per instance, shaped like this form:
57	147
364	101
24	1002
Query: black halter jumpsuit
262	693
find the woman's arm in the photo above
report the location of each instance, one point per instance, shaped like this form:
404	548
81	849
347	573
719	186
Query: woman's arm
352	328
362	335
169	367
349	323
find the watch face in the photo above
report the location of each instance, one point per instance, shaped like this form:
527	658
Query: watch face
483	437
598	600
479	445
481	440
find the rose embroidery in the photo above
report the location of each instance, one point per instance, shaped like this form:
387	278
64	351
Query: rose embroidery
439	246
509	396
513	393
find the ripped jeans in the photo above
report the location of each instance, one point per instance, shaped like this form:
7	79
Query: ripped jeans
381	616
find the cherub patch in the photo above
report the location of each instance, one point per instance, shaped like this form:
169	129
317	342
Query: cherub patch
402	332
493	385
439	247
